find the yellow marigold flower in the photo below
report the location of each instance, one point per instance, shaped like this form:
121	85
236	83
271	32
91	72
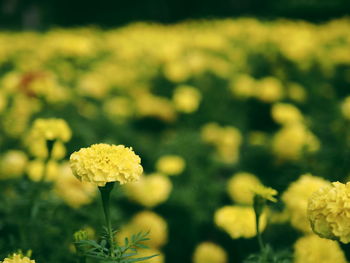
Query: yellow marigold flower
239	187
296	198
150	190
285	114
311	249
17	258
103	163
186	98
48	129
37	169
264	192
329	212
208	252
13	164
170	164
143	222
345	108
238	221
290	142
71	190
269	89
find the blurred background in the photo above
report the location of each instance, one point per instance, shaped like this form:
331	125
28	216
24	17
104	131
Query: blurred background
30	14
215	96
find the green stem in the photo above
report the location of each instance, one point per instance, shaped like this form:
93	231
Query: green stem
105	195
258	233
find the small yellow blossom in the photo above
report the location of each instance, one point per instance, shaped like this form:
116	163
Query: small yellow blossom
13	164
264	192
312	249
17	258
285	114
38	170
239	187
170	164
238	221
296	197
71	190
143	222
208	252
103	163
150	190
329	212
269	89
186	98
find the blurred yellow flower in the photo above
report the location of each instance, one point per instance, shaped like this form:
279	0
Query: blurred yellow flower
269	89
208	252
291	141
238	221
296	92
243	86
150	190
17	258
103	163
186	98
345	108
146	221
71	190
311	249
329	211
239	187
170	164
13	164
296	198
285	114
39	170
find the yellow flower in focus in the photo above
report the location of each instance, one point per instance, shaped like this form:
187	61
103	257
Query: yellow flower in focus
171	164
284	114
239	187
296	198
208	252
329	212
264	192
143	222
103	163
13	164
269	89
345	108
17	258
150	190
37	169
186	98
71	190
291	141
312	249
238	221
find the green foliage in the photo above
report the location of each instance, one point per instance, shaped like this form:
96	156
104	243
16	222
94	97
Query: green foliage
268	255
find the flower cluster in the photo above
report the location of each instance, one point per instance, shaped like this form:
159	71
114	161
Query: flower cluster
102	163
17	258
329	212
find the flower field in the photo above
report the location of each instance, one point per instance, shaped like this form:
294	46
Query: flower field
228	121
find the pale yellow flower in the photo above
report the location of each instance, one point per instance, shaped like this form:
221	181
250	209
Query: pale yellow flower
38	170
103	163
150	190
208	252
345	108
269	89
296	198
238	221
17	258
312	249
329	212
143	222
171	164
285	114
13	164
186	98
239	187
